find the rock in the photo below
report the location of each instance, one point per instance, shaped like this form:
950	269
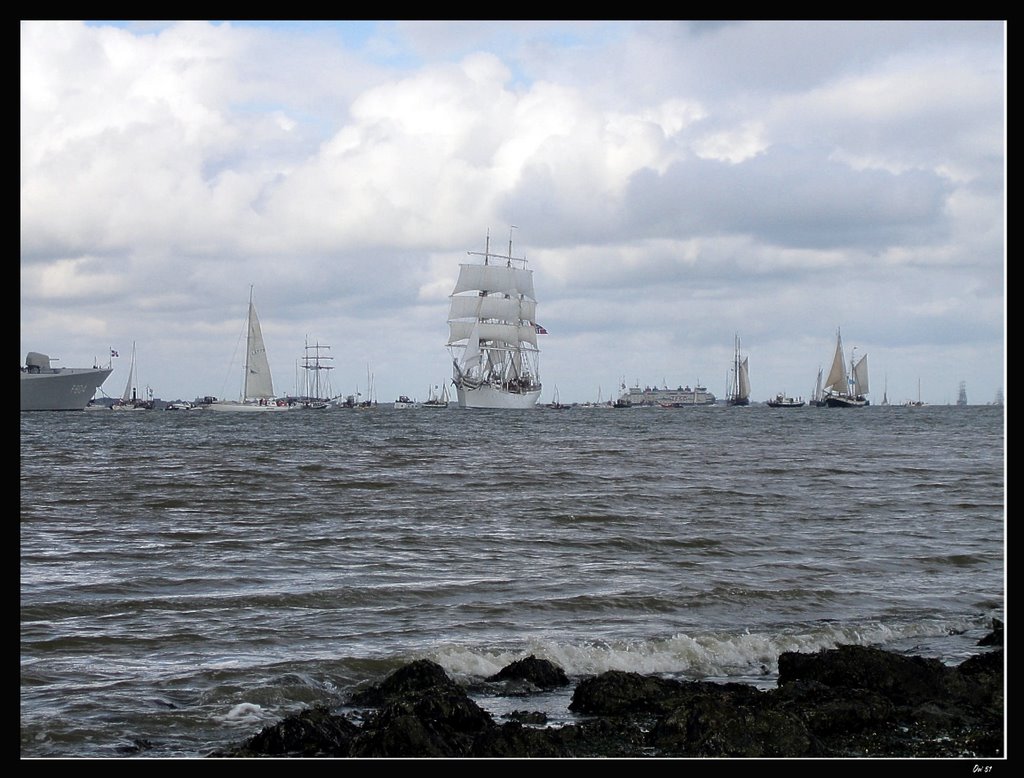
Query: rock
851	701
995	637
541	673
416	676
438	722
310	733
898	678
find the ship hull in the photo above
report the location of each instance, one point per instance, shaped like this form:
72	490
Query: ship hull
66	389
845	402
237	407
487	396
674	398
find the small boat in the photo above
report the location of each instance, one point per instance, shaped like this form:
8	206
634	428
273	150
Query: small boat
556	404
180	405
435	400
258	389
404	402
916	403
846	389
624	400
370	403
782	401
48	388
600	403
739	393
492	333
818	395
130	398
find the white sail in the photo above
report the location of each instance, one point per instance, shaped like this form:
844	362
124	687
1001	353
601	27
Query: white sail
744	385
837	379
259	385
495	279
739	391
492	307
471	357
126	396
860	377
498	332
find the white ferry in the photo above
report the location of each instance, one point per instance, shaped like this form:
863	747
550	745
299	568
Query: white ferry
664	397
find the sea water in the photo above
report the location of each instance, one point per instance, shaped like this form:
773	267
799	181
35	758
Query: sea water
188	577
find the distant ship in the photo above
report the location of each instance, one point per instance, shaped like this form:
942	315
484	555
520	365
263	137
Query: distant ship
739	393
962	397
781	400
258	393
846	389
681	397
818	395
493	333
46	388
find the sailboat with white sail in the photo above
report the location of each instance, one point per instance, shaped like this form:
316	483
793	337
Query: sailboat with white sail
436	399
258	387
739	392
818	395
846	389
493	333
130	396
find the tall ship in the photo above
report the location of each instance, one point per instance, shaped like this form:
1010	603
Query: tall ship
650	397
961	398
846	388
317	392
492	332
739	391
48	388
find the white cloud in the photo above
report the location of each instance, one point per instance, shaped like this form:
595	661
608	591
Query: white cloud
672	184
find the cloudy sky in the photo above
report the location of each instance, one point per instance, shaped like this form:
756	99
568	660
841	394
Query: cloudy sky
672	185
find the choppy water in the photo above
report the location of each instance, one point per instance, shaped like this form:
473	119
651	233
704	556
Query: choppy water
189	577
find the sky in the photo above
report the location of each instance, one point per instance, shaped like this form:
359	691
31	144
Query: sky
673	186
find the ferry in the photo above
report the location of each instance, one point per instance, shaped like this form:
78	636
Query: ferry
681	397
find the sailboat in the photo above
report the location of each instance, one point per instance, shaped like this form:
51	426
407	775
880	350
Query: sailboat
129	397
739	393
435	400
818	395
258	390
317	391
846	389
493	333
916	403
556	404
371	394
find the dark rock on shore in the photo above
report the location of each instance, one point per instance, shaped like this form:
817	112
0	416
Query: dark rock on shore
539	673
851	701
